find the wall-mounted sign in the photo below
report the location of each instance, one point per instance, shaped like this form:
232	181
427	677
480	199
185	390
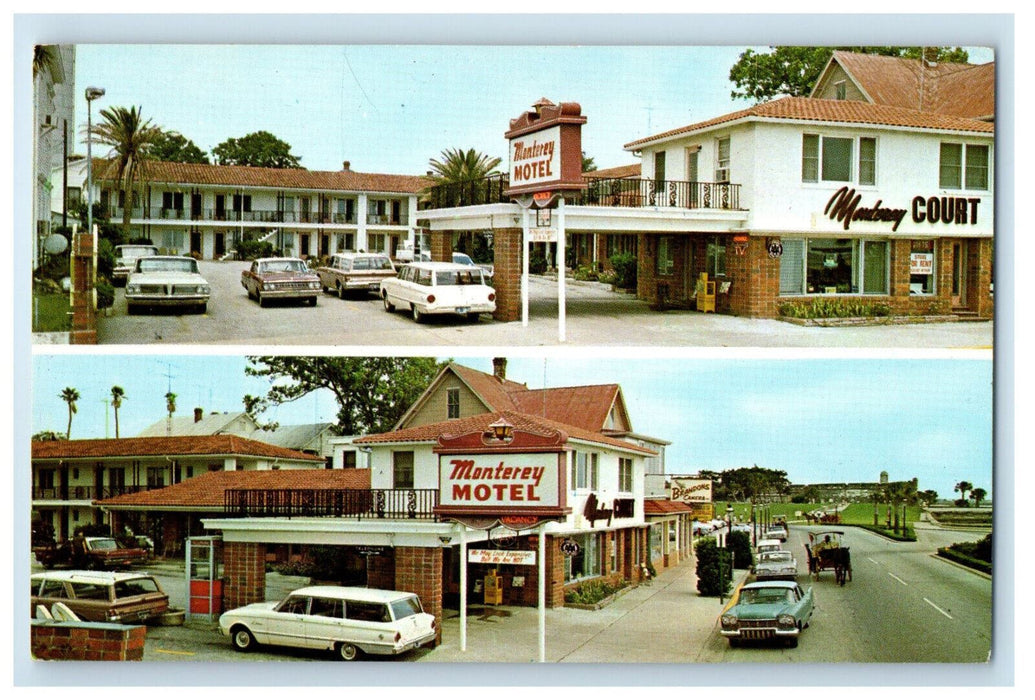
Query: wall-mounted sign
497	557
921	263
691	490
844	206
507	480
774	247
569	548
542	235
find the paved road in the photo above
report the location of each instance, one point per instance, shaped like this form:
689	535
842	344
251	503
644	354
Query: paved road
595	316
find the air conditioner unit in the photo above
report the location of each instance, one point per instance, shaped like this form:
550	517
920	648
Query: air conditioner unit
722	175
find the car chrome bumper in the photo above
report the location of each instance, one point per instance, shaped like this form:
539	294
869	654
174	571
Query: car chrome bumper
166	300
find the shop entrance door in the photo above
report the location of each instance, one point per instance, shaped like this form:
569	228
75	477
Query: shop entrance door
959	274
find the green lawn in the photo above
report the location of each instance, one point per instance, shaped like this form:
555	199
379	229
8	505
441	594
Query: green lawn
854	514
50	313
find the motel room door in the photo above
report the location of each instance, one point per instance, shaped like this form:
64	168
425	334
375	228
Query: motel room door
959	274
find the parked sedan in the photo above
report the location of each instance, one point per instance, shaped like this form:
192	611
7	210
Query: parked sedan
348	621
768	610
280	278
780	564
439	288
465	259
166	280
126	257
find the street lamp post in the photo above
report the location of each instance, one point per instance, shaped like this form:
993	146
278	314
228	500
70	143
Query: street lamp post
92	93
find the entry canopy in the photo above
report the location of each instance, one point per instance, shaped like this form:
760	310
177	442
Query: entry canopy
546	150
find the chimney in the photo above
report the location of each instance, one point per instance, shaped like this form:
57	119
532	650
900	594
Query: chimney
499	368
346	165
198	415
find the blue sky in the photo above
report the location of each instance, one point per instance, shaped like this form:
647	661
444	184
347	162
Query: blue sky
820	420
392	108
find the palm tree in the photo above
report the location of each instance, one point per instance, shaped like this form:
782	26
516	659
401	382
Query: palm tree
130	138
44	59
963	487
69	396
117	395
458	165
978	495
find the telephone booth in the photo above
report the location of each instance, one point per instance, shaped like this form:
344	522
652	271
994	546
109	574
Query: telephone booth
204	571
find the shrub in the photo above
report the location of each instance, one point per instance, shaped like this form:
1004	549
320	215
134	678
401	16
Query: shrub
713	569
584	273
105	294
739	544
537	262
624	265
834	308
250	250
592	592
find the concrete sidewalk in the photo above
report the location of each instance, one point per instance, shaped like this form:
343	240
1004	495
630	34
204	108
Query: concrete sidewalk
637	627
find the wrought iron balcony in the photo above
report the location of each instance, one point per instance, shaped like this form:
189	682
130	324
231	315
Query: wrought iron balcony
602	192
85	493
361	504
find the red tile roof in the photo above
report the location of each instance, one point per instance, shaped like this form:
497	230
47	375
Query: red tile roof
958	89
622	171
206	491
164	446
831	111
430	432
658	506
286	178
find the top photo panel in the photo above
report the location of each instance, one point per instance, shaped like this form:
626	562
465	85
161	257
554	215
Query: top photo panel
402	195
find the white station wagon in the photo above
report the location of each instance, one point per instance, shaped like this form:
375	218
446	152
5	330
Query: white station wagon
345	620
439	288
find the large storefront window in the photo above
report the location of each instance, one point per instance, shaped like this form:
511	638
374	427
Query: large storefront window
657	538
834	266
586	563
921	267
716	257
621	243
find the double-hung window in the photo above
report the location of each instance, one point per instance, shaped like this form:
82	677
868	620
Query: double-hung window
585	471
452	403
722	160
402	470
963	166
625	475
831	159
666	258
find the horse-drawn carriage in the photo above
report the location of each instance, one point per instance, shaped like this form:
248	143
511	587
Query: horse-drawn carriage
827	550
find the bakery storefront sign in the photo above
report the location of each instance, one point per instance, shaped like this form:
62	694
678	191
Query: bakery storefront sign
499	481
691	490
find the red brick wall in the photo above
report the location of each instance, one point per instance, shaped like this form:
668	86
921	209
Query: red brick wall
441	246
419	570
506	244
244	574
87	641
381	571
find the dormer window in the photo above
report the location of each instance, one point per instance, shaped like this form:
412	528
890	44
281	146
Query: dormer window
453	403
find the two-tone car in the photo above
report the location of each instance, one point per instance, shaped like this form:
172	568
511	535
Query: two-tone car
348	621
100	596
167	280
430	288
767	610
779	564
280	278
126	257
355	272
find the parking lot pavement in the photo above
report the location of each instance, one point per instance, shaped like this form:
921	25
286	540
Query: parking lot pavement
595	315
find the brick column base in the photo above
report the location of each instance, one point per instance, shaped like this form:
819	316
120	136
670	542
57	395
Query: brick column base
419	570
244	574
87	641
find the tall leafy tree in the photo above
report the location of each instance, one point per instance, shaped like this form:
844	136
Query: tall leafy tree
372	392
964	487
70	396
130	137
260	149
118	395
793	70
457	165
978	494
173	147
44	59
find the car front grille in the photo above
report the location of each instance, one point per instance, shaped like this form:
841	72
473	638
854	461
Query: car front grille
757	624
184	289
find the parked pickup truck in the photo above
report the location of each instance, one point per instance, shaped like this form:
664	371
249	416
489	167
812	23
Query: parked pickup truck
355	272
90	553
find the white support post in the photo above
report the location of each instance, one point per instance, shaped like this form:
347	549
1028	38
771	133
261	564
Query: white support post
463	588
542	593
561	258
524	266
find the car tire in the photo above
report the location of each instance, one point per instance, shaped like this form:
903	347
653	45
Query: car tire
341	292
418	317
346	651
131	309
312	301
473	316
241	639
258	298
389	306
202	308
734	643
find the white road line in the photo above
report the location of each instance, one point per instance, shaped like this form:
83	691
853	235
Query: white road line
897	579
872	561
937	608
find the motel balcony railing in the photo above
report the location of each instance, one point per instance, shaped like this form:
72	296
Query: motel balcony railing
601	192
85	493
265	216
361	504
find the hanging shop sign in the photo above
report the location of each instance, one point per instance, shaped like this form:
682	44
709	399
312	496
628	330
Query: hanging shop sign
844	206
546	151
497	557
774	246
690	490
570	548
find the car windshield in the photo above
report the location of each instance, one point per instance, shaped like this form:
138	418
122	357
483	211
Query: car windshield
766	596
776	556
406	607
137	251
103	544
458	277
167	265
136	586
462	259
282	266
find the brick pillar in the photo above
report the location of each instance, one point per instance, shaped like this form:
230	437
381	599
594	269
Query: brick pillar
244	574
84	306
441	246
985	306
506	244
380	571
419	570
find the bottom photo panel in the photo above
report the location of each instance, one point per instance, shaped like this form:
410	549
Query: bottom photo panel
195	508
